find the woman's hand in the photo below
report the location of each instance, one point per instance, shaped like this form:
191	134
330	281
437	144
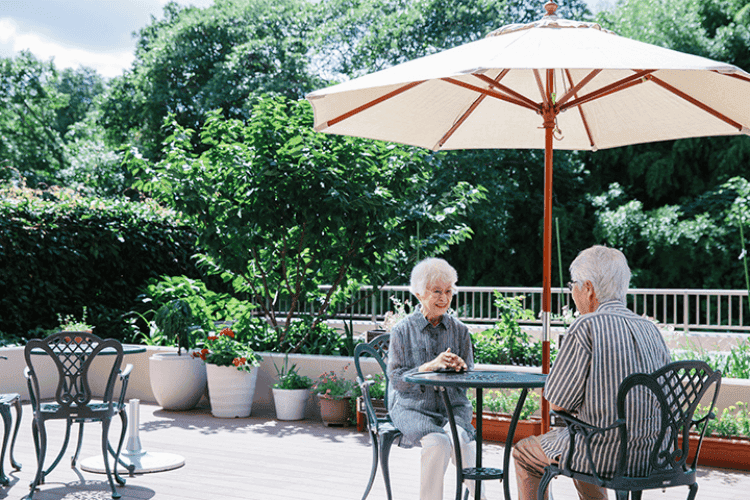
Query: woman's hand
444	360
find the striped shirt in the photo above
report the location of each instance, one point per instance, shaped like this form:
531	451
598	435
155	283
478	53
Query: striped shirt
419	410
599	351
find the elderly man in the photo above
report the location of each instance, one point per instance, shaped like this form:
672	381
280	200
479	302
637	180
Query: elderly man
603	346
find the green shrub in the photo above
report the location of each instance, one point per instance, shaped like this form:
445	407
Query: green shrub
60	251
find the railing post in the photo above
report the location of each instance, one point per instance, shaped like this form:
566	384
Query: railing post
685	312
374	312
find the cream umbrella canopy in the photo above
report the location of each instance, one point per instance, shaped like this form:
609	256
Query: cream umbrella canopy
551	84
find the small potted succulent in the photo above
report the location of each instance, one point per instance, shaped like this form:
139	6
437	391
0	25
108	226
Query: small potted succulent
336	397
290	392
232	370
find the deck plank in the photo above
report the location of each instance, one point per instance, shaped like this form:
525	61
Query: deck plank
259	458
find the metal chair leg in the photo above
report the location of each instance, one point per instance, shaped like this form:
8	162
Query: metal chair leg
544	484
105	457
19	414
62	449
385	449
124	420
693	491
5	413
622	494
375	445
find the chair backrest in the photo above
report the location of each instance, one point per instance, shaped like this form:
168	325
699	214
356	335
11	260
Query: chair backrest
72	354
378	349
678	389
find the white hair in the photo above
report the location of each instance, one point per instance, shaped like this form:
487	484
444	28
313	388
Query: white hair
429	272
606	268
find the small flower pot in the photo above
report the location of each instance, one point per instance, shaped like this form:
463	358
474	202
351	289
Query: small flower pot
290	404
335	412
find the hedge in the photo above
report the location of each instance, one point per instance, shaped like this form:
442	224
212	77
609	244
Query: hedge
60	251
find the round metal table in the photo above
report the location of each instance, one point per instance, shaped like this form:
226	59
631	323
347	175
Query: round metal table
480	380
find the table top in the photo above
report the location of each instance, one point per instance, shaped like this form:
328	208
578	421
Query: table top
126	349
495	379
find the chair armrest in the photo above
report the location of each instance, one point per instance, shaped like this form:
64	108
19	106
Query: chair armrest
372	418
577	427
125	378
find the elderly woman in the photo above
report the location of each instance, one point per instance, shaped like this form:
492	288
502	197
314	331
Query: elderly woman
428	340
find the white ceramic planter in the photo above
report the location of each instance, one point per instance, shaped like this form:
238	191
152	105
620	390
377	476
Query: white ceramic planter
290	403
231	391
178	382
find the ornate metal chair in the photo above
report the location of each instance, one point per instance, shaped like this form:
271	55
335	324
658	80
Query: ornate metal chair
6	401
73	354
382	431
676	389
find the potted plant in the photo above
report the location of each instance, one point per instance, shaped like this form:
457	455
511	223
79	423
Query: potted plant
178	380
232	370
69	323
335	396
290	392
498	408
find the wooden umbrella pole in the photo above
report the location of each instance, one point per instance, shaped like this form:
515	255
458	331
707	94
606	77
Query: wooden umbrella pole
549	128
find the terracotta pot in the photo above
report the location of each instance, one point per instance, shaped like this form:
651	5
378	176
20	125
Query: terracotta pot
728	453
495	427
335	411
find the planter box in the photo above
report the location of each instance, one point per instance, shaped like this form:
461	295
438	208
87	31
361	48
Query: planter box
728	453
380	410
495	427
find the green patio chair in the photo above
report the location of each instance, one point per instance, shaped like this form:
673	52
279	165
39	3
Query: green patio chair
677	390
72	354
6	401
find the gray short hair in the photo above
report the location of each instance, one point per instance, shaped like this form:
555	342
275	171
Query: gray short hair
428	272
606	268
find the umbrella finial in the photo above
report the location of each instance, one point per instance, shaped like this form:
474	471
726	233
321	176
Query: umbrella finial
551	8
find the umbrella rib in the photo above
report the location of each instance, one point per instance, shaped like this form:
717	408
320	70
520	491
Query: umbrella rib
468	112
573	91
609	89
505	89
580	108
708	109
488	92
539	84
367	105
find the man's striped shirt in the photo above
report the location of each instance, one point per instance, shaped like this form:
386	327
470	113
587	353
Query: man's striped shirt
599	351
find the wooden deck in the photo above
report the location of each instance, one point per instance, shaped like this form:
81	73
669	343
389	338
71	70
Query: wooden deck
261	458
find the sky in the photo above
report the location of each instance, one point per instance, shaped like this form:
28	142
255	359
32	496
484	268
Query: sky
93	33
75	33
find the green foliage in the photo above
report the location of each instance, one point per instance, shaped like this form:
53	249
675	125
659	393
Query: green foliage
289	378
506	343
174	320
60	251
734	421
734	364
376	387
70	323
225	350
506	401
303	334
281	209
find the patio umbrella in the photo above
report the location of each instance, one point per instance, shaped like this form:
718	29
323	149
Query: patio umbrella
552	84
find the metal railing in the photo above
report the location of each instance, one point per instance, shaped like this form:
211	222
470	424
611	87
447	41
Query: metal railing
684	309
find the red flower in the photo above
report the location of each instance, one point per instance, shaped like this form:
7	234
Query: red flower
236	362
78	340
228	332
243	361
212	337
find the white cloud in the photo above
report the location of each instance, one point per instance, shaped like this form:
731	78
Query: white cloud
107	63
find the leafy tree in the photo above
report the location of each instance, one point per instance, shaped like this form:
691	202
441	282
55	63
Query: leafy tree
281	209
196	60
29	143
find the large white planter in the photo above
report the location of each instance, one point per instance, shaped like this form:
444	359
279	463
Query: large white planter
178	382
231	390
290	403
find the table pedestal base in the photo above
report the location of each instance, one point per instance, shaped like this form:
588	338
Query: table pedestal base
134	459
